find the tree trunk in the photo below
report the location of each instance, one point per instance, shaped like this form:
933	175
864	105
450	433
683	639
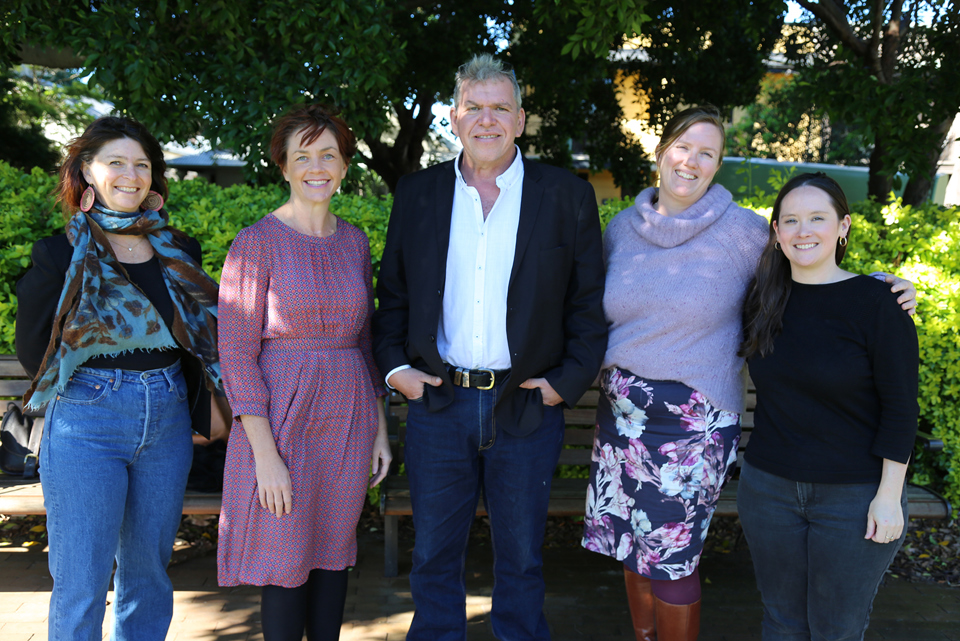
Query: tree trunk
920	187
879	185
394	162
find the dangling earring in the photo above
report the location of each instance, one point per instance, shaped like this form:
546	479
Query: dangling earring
153	202
776	245
87	199
843	241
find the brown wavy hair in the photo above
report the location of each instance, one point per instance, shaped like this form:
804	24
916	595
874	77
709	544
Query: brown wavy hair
769	291
313	120
82	150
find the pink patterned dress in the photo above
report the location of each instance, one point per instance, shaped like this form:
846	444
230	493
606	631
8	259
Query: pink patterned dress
294	323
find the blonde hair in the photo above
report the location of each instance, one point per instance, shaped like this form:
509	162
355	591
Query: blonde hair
483	68
685	119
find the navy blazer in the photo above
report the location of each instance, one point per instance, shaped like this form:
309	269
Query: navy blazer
555	323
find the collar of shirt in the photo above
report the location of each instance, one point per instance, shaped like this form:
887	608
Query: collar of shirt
506	180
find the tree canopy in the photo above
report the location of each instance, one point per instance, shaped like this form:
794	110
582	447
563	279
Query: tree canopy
192	67
220	69
888	69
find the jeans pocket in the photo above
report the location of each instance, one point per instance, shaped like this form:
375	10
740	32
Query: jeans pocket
83	389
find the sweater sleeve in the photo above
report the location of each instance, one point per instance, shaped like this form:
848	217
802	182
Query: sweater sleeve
242	313
38	293
895	360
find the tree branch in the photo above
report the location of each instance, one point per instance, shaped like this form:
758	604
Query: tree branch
832	15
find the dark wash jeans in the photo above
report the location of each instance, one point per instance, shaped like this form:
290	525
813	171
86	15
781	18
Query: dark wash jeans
450	455
816	573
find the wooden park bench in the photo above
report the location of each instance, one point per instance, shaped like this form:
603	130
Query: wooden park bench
568	495
20	497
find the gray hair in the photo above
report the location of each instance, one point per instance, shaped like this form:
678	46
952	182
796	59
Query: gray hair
483	68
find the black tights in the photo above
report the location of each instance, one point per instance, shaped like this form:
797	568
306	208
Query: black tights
316	606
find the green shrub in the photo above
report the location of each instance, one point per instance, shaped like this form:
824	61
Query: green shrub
919	243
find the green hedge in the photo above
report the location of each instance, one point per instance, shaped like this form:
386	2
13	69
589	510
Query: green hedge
922	244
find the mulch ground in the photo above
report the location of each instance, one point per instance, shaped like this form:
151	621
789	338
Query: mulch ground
931	553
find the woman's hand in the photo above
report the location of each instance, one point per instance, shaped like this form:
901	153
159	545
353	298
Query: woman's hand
884	519
885	514
380	461
908	293
273	478
273	484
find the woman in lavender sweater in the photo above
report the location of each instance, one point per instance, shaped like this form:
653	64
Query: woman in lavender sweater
668	421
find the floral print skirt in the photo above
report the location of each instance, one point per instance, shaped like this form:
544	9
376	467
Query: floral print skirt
661	455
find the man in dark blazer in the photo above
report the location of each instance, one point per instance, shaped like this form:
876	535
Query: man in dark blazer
490	320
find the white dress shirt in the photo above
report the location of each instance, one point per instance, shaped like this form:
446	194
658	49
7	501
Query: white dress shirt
473	323
472	332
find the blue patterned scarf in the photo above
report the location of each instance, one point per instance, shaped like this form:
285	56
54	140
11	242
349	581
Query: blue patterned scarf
101	312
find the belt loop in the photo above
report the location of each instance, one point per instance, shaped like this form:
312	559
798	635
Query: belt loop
117	378
169	377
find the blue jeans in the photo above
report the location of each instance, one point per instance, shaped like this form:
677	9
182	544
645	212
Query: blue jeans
816	573
450	456
114	461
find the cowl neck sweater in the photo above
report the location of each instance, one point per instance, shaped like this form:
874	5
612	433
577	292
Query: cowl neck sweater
674	290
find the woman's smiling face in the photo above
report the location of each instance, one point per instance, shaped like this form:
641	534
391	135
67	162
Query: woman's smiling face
687	167
120	174
808	230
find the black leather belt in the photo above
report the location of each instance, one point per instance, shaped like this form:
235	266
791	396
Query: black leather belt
482	379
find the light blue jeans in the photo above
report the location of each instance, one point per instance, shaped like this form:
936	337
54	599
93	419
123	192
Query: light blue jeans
114	461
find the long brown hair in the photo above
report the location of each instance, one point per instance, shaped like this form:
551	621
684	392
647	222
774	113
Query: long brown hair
769	290
82	150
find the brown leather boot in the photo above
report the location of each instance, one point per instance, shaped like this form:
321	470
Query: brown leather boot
677	622
640	597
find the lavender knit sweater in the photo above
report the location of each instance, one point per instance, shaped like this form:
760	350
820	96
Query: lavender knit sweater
674	290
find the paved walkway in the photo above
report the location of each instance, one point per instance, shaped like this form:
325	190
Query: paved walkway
585	600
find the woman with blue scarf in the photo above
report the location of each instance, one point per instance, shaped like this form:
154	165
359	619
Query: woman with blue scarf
117	325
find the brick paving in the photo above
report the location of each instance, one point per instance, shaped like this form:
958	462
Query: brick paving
585	600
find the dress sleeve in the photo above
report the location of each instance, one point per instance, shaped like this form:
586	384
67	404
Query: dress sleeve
895	359
366	334
242	313
38	293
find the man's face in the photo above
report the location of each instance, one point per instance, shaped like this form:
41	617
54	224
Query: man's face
487	121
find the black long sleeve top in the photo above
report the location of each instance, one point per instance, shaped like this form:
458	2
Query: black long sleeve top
838	394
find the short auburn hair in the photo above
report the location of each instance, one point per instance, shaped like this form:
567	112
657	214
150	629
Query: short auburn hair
82	150
312	120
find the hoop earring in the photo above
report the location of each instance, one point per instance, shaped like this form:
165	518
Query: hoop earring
87	199
843	241
776	246
153	202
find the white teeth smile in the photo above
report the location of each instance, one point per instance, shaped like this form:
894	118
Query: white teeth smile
128	190
317	183
685	175
806	246
488	137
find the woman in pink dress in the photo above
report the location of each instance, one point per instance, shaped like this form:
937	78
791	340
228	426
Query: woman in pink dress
295	306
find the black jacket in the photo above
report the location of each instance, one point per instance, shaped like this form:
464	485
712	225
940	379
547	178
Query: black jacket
555	323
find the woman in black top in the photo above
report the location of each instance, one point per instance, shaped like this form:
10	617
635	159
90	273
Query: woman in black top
117	325
835	362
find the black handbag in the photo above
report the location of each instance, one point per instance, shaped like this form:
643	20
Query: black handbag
20	442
